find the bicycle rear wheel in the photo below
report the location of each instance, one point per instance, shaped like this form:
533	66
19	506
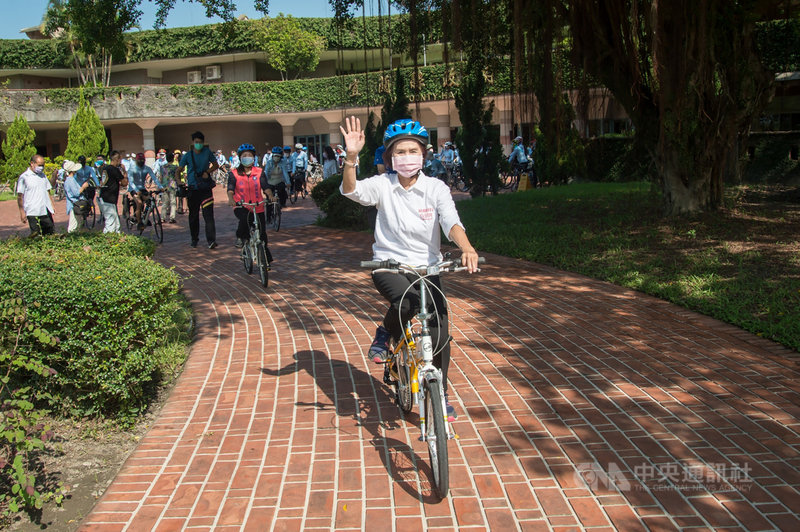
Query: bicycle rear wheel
261	259
158	228
436	437
402	387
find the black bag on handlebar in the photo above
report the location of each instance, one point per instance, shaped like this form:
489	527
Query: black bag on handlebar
81	207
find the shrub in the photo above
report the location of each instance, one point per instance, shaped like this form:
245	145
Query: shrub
23	481
108	305
339	211
772	161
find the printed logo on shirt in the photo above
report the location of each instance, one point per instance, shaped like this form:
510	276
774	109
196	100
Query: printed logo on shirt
426	214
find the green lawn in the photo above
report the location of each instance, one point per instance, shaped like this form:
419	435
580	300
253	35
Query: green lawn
740	264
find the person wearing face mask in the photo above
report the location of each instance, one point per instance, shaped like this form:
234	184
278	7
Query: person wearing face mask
413	211
248	183
75	188
161	160
277	170
200	164
137	189
33	198
111	178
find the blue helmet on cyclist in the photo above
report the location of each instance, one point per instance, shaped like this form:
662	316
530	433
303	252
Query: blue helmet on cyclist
405	129
287	148
246	147
517	140
277	150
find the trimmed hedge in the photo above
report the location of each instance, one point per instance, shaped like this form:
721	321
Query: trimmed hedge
339	211
109	306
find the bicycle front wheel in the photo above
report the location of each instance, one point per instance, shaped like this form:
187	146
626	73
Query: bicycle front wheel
276	217
261	259
293	195
436	437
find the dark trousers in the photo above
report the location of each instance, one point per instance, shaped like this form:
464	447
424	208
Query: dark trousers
280	190
243	229
41	225
392	286
202	199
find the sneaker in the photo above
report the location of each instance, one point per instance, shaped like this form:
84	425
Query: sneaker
140	226
194	243
172	220
379	350
451	410
212	245
239	243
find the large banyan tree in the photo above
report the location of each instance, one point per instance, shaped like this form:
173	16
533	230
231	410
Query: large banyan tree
690	77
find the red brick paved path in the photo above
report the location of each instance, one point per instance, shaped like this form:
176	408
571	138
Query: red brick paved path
582	405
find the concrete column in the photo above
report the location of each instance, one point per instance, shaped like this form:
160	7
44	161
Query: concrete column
442	130
506	124
334	133
148	140
287	124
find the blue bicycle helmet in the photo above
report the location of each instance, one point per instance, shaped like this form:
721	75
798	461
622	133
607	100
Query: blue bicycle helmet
405	128
246	147
277	150
287	148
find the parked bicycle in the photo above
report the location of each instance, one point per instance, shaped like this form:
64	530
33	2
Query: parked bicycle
409	368
313	174
151	215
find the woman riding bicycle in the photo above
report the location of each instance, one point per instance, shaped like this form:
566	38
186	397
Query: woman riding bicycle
411	208
246	183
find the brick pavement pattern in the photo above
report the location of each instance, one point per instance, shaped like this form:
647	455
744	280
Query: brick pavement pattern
582	406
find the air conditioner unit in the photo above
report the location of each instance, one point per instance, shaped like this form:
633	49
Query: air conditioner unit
194	76
213	72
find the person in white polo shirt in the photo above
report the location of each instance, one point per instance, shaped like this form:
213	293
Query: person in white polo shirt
412	207
33	198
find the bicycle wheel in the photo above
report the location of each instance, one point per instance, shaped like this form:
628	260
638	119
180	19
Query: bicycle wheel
158	228
276	216
261	258
90	217
436	437
247	257
293	194
402	387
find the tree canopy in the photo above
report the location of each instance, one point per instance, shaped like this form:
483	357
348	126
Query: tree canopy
289	48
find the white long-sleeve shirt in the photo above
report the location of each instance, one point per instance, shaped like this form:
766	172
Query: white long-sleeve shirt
409	221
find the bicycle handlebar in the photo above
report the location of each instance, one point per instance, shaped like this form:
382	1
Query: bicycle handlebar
391	264
247	204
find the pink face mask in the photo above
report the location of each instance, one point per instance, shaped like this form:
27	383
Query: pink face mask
407	165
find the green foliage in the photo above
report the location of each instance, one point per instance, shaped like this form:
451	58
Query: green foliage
779	44
613	158
339	211
560	158
23	482
86	135
18	149
40	53
289	48
110	308
478	143
771	161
